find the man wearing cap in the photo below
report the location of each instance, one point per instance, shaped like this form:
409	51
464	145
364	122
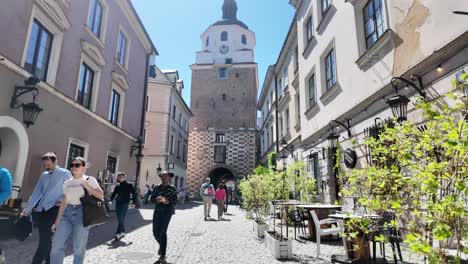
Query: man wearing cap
165	197
207	192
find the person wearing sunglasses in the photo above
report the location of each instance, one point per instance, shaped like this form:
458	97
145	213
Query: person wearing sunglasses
69	222
44	202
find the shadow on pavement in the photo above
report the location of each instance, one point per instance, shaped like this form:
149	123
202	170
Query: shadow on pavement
118	244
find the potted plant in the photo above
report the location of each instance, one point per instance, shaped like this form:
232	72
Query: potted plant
256	193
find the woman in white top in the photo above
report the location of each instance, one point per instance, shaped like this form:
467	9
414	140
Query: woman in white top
69	220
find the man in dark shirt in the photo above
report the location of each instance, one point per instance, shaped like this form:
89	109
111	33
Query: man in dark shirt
123	191
165	197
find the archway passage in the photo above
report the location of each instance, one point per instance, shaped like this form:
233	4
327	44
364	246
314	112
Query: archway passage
220	175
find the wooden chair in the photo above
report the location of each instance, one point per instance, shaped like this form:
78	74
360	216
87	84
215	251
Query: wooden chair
324	231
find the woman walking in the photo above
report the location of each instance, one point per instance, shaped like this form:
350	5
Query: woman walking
69	220
220	197
165	197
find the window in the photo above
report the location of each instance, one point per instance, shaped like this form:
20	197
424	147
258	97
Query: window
95	17
172	144
114	108
309	29
173	112
280	123
286	119
85	88
220	154
314	169
180	119
312	90
268	105
325	5
229	61
178	149
296	59
111	165
223	73
330	69
298	109
39	49
271	96
207	43
224	36
244	39
267	141
285	78
122	49
373	21
184	153
271	133
74	151
220	138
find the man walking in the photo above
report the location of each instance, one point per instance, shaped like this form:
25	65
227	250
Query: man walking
45	201
122	191
165	197
5	192
207	193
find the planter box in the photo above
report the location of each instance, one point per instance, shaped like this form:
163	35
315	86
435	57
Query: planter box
280	249
261	228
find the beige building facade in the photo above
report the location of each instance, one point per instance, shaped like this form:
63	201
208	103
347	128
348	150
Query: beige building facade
166	129
348	53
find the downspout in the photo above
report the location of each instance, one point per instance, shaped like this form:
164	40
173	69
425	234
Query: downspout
140	155
166	155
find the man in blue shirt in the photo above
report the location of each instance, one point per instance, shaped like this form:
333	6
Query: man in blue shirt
45	201
5	191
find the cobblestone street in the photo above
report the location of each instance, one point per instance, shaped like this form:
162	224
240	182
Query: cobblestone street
191	240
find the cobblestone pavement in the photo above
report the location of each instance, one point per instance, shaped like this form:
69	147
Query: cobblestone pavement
191	240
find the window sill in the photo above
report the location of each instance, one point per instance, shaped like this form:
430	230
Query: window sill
312	111
377	50
121	67
310	46
331	93
326	18
96	38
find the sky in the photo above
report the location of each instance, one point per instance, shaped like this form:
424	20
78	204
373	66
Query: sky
175	27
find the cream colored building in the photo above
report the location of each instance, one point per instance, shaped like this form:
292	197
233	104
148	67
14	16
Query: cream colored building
348	53
166	129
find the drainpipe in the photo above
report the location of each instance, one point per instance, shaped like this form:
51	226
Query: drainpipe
168	129
140	155
276	113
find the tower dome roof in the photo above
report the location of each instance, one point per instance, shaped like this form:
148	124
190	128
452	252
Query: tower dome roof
230	15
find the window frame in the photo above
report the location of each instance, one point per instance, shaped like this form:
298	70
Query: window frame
224	36
333	73
244	39
115	119
84	70
220	138
309	30
79	143
126	58
323	10
171	143
310	101
91	23
223	77
223	154
37	46
374	18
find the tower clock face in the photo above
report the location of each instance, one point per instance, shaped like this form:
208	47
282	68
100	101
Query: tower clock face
224	49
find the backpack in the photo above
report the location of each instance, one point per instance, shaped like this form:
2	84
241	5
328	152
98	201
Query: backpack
208	190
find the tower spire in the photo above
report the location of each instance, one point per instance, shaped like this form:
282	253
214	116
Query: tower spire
230	9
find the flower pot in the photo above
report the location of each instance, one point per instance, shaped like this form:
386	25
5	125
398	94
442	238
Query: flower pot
280	249
261	228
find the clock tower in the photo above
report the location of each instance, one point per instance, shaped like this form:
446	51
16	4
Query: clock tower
223	102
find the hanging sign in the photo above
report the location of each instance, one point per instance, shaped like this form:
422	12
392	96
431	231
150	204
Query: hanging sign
350	158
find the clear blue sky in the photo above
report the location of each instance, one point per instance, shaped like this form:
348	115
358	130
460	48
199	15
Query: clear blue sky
175	27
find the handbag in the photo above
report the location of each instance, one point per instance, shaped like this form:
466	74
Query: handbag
94	211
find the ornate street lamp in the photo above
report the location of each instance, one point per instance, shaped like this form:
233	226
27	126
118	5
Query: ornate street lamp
159	169
333	140
399	106
30	110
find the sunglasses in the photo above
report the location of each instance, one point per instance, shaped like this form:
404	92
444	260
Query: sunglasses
76	165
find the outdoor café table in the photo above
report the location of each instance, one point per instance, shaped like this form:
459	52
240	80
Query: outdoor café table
361	256
319	209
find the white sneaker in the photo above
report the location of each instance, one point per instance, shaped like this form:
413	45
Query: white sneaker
122	235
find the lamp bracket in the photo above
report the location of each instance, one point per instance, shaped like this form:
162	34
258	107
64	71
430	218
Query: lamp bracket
19	91
415	81
347	127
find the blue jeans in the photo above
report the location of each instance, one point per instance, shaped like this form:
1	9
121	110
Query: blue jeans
161	218
71	224
121	212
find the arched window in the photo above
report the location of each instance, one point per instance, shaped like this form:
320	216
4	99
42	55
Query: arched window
207	41
224	36
244	39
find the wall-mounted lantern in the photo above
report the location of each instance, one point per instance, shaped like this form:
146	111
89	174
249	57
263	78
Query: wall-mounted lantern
30	110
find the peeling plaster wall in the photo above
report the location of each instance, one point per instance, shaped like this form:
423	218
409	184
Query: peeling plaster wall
423	27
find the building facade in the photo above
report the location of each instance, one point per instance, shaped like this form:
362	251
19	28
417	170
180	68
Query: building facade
348	54
91	58
166	129
224	87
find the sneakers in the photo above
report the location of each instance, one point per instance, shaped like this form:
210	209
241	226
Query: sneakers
118	237
206	219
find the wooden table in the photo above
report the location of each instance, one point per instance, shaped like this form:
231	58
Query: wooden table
363	255
318	208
